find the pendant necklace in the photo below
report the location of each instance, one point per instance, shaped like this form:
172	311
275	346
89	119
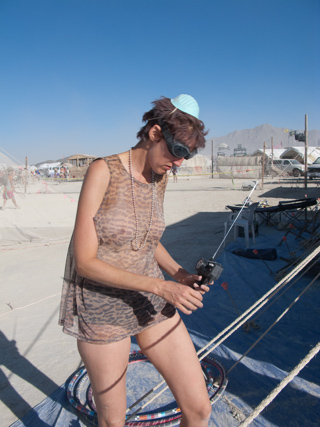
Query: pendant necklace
134	243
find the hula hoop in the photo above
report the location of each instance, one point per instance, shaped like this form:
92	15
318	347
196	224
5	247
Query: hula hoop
80	396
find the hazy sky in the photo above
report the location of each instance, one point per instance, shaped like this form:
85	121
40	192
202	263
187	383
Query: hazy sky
77	75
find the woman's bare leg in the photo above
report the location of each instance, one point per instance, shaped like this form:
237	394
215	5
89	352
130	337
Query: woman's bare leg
107	367
169	347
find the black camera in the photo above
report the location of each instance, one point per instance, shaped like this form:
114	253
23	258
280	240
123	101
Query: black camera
209	270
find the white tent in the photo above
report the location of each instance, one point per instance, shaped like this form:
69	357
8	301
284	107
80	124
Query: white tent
290	153
298	153
277	153
197	160
49	165
198	164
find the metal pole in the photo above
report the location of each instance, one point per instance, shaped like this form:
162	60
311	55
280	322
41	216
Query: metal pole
306	152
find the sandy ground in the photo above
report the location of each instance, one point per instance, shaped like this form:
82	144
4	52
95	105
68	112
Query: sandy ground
36	357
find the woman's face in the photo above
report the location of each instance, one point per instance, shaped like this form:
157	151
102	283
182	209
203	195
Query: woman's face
160	158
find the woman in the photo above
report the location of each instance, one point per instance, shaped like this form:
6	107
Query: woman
114	288
8	191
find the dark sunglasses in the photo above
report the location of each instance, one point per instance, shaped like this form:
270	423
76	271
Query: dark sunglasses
176	148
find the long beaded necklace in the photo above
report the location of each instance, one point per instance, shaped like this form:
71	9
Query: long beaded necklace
134	243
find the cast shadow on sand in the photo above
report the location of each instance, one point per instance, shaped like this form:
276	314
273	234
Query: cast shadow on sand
19	365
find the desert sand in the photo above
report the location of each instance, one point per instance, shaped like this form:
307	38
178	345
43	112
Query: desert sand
36	357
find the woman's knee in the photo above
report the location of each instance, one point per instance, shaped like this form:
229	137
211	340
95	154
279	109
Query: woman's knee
205	410
198	413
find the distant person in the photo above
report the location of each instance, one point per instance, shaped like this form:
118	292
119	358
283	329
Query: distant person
8	191
174	173
113	285
63	172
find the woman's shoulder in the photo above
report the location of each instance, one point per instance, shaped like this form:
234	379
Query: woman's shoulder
100	163
97	170
105	167
111	161
105	159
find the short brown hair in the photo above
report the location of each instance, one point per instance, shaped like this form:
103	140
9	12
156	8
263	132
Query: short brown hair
183	126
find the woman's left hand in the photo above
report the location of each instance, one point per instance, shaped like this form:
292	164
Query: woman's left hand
192	280
202	288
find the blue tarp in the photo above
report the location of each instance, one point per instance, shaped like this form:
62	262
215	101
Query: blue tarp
266	364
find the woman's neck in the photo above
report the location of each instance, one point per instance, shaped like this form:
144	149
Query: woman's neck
141	168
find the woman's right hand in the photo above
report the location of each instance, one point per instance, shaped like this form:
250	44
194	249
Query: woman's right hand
184	298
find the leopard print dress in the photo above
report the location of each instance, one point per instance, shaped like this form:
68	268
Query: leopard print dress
101	314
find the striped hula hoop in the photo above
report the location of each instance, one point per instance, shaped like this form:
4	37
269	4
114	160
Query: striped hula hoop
80	396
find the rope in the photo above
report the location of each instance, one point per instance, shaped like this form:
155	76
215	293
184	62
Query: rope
35	245
148	402
281	386
288	288
314	239
28	305
11	155
275	322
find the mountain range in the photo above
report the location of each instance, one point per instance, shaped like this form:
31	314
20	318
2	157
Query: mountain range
250	139
253	139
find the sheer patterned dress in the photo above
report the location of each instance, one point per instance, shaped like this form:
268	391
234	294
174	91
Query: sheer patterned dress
101	314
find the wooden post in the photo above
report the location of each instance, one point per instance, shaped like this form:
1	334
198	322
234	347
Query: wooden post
306	151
